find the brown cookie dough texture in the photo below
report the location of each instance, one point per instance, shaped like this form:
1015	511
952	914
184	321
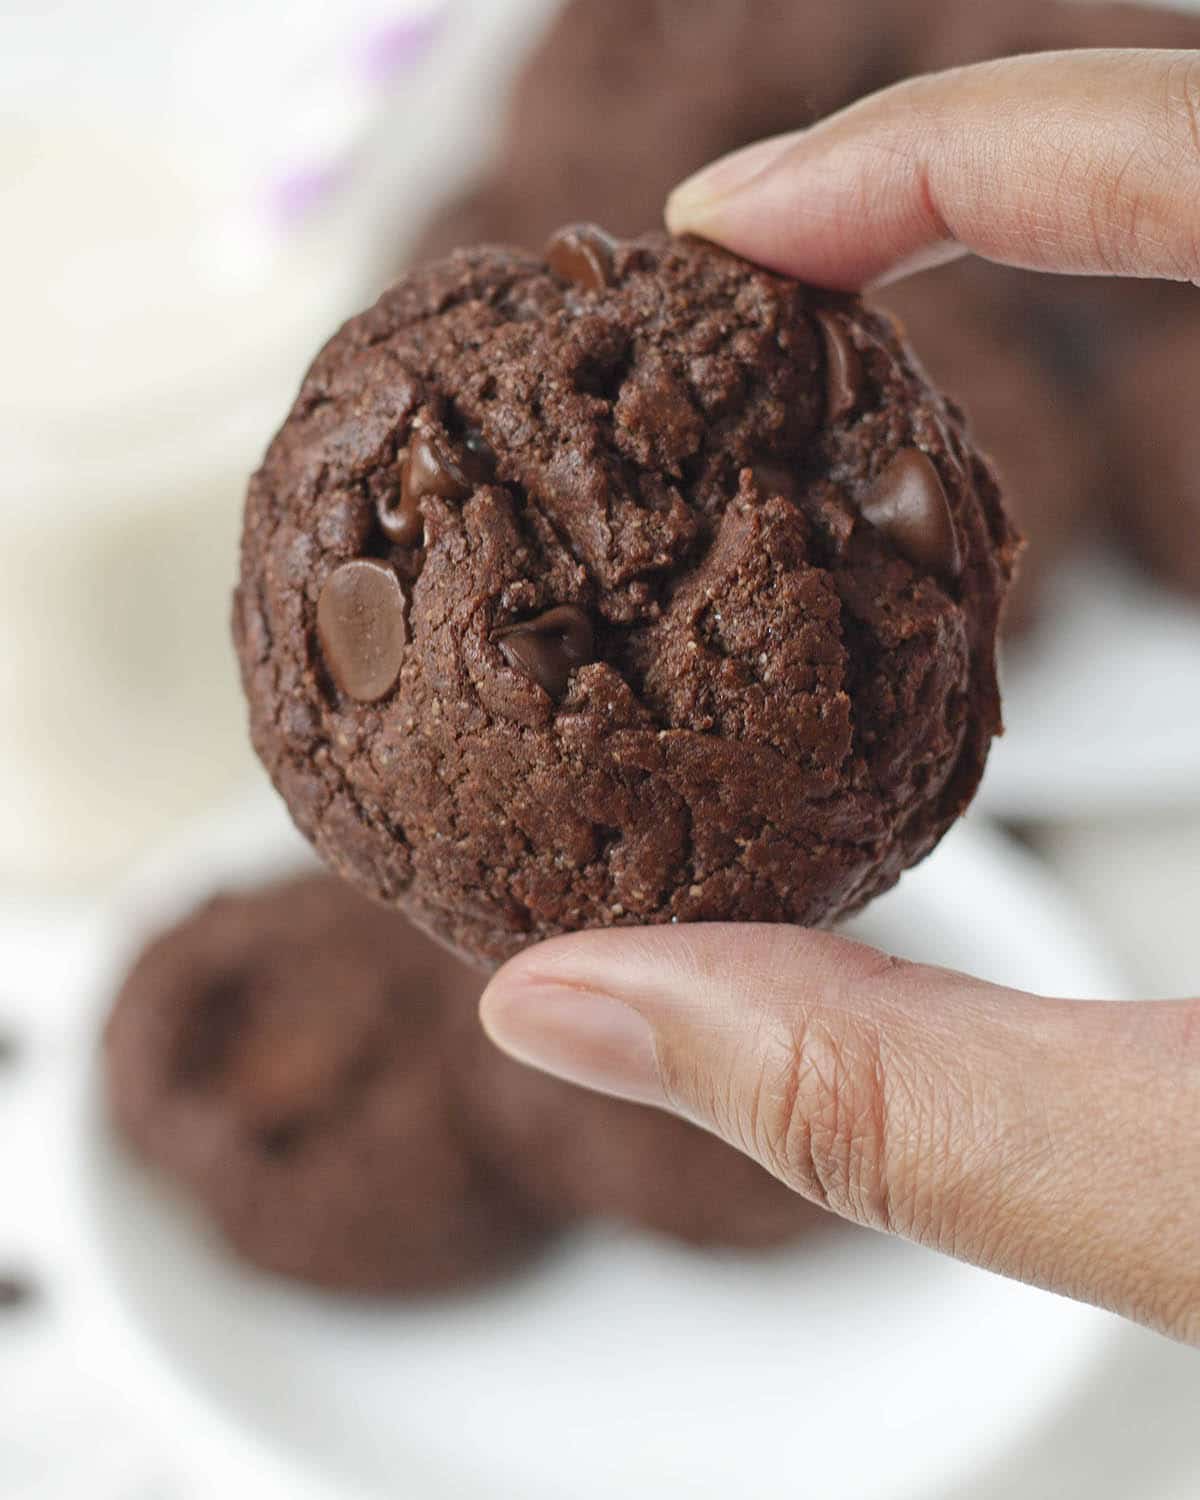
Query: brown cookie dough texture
700	622
284	1055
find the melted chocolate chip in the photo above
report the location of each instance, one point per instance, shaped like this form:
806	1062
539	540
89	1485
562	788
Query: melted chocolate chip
843	369
361	625
582	253
547	648
909	505
432	465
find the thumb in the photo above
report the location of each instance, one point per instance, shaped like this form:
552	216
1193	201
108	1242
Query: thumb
1082	161
1051	1140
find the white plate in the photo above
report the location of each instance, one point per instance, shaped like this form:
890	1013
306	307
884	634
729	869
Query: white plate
850	1366
1102	703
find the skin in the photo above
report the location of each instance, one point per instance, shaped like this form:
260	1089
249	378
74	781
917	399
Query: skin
1052	1140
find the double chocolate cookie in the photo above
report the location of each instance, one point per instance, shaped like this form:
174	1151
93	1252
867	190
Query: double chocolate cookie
631	585
285	1055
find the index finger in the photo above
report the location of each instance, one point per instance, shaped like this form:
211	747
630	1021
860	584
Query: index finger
1087	162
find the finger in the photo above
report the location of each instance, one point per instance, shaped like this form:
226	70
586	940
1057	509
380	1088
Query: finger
1054	1141
1082	161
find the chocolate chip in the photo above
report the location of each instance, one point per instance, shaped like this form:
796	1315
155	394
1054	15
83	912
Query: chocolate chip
582	253
908	504
432	465
15	1291
843	369
546	648
361	625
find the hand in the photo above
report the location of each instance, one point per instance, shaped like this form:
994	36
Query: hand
1054	1141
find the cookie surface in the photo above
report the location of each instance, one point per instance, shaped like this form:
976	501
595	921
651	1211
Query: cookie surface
645	586
283	1055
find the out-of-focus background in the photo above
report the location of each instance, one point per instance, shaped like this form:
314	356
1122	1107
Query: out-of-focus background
191	198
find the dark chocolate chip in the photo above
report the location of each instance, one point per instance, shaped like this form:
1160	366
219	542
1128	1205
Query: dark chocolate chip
582	253
546	649
843	369
432	465
15	1291
908	504
399	515
360	621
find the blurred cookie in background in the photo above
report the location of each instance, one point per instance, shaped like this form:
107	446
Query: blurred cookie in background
283	1054
1157	509
621	99
1023	384
485	214
963	32
311	1071
575	1152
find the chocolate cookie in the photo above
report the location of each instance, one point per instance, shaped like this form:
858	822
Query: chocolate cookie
633	585
285	1055
582	1154
985	334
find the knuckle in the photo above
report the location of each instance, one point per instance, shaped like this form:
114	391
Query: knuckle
1181	164
822	1118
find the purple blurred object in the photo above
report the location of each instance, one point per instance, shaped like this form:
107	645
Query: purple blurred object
386	53
292	198
393	49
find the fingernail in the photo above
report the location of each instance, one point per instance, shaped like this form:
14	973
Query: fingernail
928	258
691	202
580	1035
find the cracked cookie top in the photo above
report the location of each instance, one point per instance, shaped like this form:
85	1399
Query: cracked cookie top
630	584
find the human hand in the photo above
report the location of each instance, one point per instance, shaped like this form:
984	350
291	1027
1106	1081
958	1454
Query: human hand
1051	1140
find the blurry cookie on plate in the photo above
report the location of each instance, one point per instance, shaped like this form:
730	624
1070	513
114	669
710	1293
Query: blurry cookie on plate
283	1054
1157	506
312	1072
581	1153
